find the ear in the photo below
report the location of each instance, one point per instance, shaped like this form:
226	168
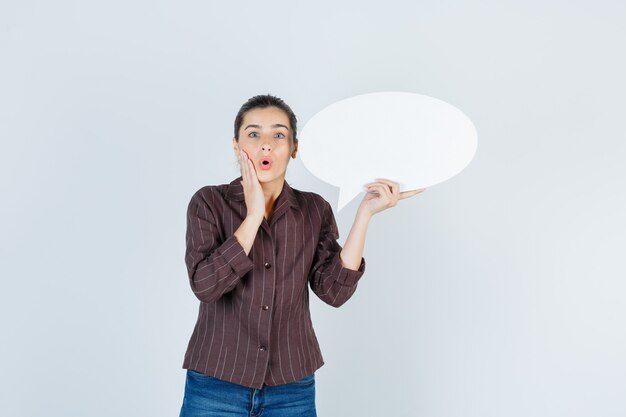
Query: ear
236	147
295	149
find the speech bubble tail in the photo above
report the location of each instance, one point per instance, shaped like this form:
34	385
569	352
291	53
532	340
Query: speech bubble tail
346	194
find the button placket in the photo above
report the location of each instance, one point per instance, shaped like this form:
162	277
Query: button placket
268	246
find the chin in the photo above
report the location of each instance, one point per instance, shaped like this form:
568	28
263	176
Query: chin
265	176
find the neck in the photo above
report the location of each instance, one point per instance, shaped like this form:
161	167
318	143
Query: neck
272	190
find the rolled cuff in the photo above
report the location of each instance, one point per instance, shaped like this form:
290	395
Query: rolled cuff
236	256
346	276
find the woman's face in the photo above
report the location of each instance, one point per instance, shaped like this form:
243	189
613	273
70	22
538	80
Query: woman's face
265	135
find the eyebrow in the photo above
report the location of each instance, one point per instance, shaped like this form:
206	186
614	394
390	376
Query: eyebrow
258	126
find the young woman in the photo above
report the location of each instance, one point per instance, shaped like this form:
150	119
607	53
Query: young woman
253	248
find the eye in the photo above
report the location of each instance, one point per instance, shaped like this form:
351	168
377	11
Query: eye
252	133
281	135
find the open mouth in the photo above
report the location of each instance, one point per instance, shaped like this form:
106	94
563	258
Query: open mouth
265	163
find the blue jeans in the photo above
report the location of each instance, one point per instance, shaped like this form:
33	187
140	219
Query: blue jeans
208	396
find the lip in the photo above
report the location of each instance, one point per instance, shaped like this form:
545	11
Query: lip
268	163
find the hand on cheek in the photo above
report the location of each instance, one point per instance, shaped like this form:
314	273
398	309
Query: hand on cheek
253	193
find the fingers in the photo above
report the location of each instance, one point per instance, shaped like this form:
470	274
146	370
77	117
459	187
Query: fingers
394	188
243	166
389	188
248	172
245	169
384	193
411	193
251	168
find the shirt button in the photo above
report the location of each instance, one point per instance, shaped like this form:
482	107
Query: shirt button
262	348
266	307
267	265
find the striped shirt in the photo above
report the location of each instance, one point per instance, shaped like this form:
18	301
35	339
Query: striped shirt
254	325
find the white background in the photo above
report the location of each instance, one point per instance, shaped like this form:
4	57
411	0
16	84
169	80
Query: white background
497	293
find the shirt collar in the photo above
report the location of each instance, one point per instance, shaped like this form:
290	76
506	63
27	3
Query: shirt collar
235	192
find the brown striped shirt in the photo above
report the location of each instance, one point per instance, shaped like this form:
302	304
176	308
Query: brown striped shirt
254	325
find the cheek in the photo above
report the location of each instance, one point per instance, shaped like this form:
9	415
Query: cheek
284	151
247	148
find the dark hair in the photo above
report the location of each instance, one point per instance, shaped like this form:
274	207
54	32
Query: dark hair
263	101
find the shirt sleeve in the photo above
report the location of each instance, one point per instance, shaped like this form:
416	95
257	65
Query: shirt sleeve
329	279
214	267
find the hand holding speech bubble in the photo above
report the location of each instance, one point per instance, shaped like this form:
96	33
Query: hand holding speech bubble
413	139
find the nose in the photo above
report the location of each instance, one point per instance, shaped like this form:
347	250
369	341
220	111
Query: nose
266	147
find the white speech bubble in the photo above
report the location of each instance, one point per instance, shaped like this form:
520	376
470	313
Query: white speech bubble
413	139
